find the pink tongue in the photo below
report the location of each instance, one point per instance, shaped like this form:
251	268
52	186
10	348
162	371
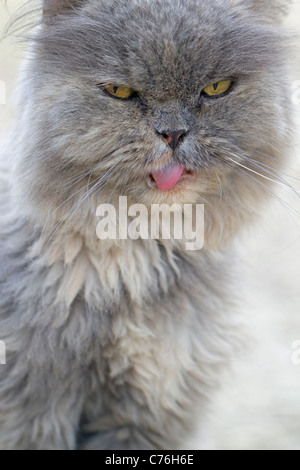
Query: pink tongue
168	177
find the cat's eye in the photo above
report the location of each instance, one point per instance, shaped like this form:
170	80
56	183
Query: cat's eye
121	92
218	88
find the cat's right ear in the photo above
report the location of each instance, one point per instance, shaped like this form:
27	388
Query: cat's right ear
57	7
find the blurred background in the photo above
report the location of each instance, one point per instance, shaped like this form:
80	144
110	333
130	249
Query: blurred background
259	405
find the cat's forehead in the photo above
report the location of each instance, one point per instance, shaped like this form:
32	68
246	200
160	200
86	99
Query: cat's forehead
167	45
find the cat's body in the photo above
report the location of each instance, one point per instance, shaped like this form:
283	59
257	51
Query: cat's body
115	344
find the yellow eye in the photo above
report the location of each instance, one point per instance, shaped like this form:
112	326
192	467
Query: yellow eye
121	92
218	88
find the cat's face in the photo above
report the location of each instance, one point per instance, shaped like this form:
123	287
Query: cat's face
166	100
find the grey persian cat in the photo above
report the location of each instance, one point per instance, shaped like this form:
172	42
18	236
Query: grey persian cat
117	344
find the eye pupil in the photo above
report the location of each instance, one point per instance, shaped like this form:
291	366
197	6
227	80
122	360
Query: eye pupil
121	92
217	89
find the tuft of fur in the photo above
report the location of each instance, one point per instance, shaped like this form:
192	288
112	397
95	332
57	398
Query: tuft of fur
114	344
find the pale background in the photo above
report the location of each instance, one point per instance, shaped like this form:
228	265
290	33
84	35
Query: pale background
259	406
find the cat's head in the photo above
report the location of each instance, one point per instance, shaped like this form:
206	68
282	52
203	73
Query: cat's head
163	101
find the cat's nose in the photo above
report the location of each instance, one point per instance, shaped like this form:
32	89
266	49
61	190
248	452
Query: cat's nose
174	138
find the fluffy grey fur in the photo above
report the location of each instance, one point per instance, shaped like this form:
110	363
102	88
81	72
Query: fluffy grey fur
113	345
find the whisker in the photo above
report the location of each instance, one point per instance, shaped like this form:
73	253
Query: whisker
265	188
86	173
68	214
281	183
63	203
97	186
220	186
75	179
287	185
269	157
272	170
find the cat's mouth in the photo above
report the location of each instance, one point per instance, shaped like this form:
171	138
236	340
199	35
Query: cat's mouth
168	177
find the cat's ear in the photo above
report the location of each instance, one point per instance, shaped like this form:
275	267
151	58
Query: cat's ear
57	7
272	10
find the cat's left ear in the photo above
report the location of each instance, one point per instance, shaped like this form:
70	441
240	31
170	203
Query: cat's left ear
272	10
57	7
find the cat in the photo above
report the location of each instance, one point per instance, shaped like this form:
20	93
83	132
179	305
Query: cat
120	344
